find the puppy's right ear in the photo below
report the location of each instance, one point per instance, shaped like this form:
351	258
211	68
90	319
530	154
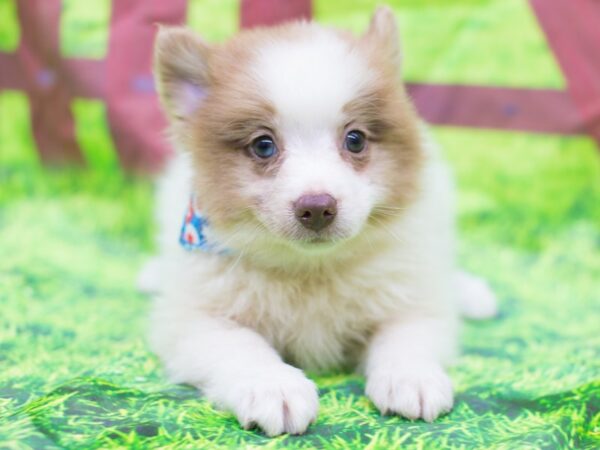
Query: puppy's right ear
181	71
384	35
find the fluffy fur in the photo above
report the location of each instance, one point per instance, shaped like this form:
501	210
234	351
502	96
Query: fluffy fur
376	291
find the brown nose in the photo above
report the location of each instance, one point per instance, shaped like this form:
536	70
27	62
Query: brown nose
315	212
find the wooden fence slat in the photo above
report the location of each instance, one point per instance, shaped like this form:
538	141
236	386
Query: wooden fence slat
50	99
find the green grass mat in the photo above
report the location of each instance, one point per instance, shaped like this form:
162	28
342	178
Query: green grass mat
76	372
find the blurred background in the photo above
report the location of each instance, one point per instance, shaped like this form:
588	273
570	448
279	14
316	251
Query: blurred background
512	89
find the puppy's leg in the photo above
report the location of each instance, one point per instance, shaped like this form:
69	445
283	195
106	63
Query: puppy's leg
476	299
239	371
404	370
149	278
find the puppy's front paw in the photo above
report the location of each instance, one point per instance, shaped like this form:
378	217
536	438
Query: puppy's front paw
420	392
281	400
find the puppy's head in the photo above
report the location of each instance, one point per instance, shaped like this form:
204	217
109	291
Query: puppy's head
300	135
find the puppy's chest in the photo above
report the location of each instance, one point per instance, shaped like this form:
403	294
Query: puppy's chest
318	323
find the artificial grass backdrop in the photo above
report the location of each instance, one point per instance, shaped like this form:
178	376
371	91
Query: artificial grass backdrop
75	371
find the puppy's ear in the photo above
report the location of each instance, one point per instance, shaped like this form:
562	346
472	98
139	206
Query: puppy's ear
181	71
383	34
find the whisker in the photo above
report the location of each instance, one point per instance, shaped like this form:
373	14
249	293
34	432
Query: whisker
390	208
369	241
236	262
389	214
386	229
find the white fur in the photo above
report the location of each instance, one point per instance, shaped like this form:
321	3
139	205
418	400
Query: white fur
310	80
381	299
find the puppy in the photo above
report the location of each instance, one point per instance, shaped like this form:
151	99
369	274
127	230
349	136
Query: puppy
317	226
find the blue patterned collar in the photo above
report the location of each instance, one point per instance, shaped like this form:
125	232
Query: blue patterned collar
193	230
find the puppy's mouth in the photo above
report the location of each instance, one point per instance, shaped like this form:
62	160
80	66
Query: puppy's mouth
317	241
317	244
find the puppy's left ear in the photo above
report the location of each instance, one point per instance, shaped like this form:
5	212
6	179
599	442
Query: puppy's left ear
383	34
181	71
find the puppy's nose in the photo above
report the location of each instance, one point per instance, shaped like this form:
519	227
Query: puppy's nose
315	212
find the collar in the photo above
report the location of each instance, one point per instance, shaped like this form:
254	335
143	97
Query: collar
193	231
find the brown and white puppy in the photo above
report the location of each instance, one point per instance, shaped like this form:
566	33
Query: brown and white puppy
330	223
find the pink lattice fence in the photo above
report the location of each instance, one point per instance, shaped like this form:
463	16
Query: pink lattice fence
123	79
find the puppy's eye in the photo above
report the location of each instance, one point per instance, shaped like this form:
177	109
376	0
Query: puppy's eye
264	147
355	141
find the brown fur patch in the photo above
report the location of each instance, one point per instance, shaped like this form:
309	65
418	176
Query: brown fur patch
392	123
179	55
